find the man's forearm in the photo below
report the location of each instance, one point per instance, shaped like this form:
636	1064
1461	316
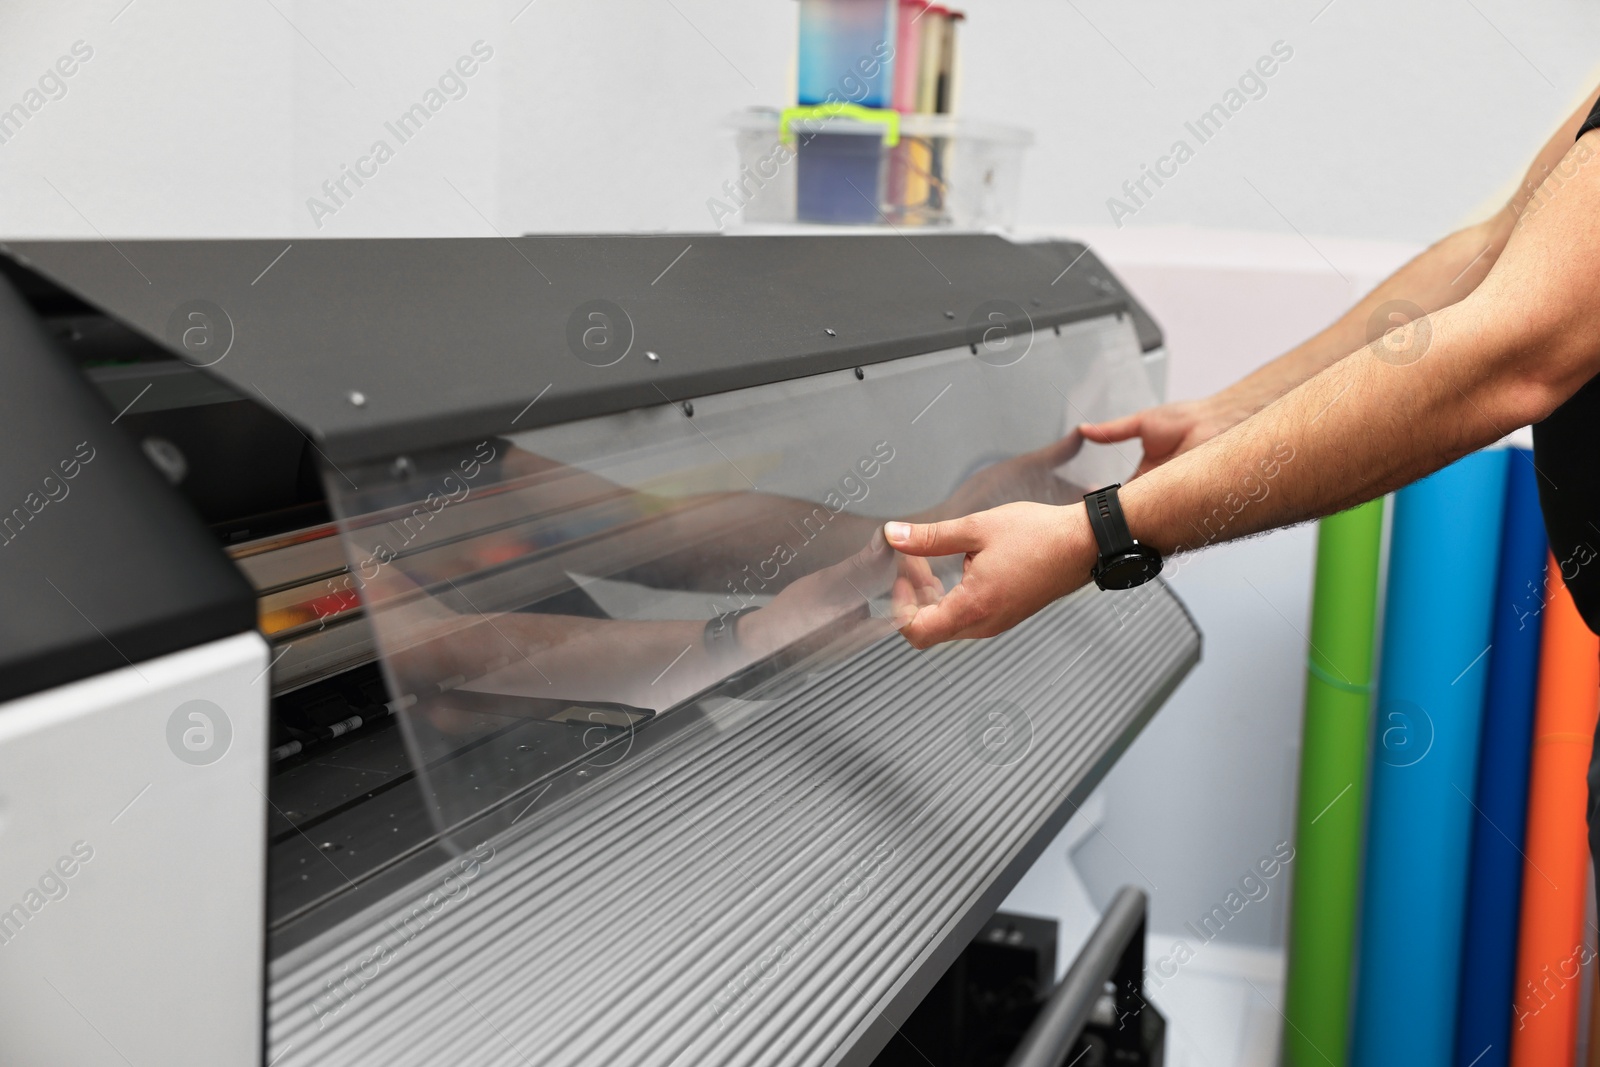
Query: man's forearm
1361	428
1436	278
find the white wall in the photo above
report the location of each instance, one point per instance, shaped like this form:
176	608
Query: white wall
1390	121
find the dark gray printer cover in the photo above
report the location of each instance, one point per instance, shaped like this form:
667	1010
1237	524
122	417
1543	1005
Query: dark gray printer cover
375	347
102	564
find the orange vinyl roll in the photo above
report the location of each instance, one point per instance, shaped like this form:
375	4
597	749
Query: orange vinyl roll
1553	948
1592	1056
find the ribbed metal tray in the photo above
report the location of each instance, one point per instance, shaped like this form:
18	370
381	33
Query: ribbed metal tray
779	887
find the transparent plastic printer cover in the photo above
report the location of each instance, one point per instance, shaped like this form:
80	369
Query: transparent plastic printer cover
548	602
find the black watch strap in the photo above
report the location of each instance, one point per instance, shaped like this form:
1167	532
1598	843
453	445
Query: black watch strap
1110	528
721	636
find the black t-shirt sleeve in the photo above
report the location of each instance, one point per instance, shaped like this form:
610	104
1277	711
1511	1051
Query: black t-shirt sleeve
1592	122
1564	450
1569	495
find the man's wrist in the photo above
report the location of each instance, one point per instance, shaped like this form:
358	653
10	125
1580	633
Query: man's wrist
1136	498
1080	550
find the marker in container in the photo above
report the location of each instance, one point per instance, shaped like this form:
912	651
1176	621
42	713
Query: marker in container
907	183
846	58
846	50
907	50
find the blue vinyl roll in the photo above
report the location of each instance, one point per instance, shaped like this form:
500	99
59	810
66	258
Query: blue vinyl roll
1443	550
1494	890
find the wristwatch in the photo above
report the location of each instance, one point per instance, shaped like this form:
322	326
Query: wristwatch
1124	562
721	636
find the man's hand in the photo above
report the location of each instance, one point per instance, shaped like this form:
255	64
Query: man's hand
1019	557
1170	429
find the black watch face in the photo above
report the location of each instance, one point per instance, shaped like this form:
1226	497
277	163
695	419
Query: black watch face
1128	569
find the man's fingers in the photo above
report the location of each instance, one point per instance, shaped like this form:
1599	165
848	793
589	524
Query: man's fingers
1114	430
919	578
948	538
949	618
904	602
915	587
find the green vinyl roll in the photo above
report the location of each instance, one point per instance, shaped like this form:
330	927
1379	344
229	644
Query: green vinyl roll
1333	777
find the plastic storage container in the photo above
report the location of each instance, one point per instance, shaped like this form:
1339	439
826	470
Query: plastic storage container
939	171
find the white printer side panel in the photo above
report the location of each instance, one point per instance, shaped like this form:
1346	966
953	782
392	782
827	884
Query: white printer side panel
132	864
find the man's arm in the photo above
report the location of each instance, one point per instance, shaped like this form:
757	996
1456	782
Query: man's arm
1526	339
1438	277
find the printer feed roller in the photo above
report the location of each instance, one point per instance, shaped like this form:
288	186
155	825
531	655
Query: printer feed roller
849	829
